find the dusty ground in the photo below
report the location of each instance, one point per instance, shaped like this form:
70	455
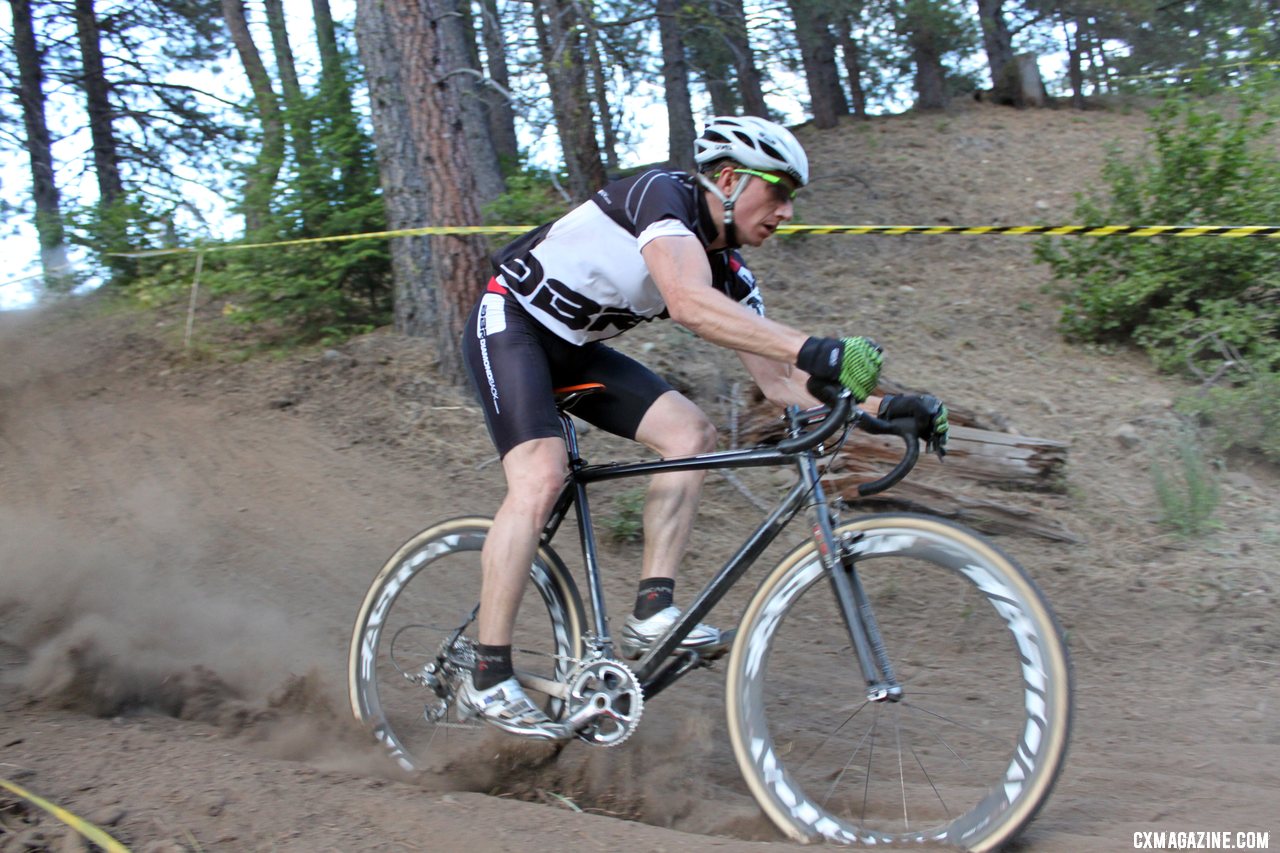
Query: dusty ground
183	545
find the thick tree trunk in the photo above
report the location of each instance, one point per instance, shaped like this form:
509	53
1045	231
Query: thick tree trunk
998	44
106	157
262	177
459	264
44	189
502	118
294	100
931	75
405	194
460	62
817	53
560	42
675	83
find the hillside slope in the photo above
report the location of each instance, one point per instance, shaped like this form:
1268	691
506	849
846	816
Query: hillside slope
183	546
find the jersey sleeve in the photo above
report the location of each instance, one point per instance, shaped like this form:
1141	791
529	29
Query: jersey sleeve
658	197
740	284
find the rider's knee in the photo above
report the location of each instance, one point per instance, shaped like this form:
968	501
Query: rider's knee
698	435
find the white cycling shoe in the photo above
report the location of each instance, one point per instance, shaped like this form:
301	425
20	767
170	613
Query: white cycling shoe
505	706
639	635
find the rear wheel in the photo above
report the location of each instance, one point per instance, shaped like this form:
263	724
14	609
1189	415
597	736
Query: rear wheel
415	633
976	743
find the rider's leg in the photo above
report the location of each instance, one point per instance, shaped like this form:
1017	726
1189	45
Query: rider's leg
673	426
535	473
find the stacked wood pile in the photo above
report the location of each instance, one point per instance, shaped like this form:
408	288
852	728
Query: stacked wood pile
997	481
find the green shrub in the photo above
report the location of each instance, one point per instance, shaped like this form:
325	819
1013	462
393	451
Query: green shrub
1185	484
1185	300
1167	292
1244	416
531	199
625	523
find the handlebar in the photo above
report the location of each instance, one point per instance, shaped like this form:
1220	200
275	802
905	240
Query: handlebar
842	410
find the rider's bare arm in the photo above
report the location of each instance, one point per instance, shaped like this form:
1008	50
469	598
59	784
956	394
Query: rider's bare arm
782	384
679	267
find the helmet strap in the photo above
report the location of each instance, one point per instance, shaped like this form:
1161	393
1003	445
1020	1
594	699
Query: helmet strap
728	201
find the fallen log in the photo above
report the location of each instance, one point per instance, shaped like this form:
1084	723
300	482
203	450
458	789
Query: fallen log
977	483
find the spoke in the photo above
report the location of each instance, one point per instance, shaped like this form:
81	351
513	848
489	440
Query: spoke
921	709
871	750
942	741
902	778
929	778
847	764
833	733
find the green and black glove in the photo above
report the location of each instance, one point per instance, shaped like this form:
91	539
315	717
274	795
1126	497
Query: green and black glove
853	362
928	412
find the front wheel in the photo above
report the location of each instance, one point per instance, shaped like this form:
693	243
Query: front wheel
971	751
415	633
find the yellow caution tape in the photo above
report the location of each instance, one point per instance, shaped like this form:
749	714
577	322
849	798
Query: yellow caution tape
1268	231
88	830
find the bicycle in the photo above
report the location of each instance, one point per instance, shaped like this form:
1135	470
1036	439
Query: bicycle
954	734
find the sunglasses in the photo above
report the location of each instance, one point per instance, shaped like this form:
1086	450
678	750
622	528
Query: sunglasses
781	187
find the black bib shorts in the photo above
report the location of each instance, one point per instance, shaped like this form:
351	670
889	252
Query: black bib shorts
515	364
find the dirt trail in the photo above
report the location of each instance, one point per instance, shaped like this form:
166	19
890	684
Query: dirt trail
182	549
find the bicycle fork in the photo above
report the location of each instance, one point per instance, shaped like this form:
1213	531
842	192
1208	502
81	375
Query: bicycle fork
855	607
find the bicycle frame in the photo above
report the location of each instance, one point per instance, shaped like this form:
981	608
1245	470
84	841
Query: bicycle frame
658	669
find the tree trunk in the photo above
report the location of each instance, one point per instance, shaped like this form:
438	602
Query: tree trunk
744	63
461	63
294	100
436	120
675	83
1074	57
106	158
44	189
600	84
817	53
560	42
931	74
704	30
405	194
502	118
853	68
998	44
262	177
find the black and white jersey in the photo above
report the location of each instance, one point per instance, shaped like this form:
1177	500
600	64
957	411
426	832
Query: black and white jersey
583	276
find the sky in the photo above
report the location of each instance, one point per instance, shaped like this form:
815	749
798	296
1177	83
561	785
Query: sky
18	237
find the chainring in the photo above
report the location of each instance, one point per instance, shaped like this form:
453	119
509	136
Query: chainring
605	702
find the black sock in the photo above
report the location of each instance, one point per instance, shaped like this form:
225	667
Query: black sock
655	595
493	665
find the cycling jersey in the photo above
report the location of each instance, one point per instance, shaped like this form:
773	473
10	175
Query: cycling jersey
583	276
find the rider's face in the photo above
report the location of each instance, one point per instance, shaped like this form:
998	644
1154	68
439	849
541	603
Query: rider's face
762	207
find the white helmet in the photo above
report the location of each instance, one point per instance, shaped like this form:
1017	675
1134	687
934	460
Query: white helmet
753	142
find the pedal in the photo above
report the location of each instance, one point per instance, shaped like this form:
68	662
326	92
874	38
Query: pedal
706	653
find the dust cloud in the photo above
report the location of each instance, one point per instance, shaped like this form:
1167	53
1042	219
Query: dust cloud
88	626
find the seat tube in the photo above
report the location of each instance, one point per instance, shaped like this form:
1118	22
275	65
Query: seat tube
586	533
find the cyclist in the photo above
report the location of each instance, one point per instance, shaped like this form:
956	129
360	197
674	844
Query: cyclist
661	244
